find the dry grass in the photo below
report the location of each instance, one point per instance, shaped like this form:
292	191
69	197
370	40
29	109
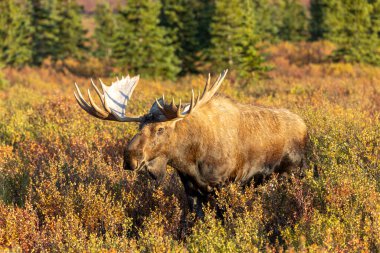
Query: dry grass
62	187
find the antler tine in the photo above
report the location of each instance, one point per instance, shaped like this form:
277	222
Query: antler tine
172	111
84	107
102	84
211	91
179	113
83	104
192	101
80	97
102	113
108	96
101	96
220	79
207	85
159	105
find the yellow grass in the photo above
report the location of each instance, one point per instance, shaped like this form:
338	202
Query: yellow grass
62	187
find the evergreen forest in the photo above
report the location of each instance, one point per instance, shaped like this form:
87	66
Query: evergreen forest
170	38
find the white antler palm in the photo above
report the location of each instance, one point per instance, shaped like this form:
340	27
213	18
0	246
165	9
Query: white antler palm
114	100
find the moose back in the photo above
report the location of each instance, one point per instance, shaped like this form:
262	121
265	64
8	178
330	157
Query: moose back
210	141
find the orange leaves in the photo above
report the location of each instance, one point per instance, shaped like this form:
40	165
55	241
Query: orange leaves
62	187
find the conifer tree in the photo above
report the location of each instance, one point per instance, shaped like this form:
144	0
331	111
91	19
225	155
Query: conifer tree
15	33
268	17
294	25
233	39
71	32
45	20
180	19
104	31
204	14
353	25
317	12
58	30
140	44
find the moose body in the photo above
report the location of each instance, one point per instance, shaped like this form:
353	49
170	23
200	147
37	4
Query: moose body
221	142
212	141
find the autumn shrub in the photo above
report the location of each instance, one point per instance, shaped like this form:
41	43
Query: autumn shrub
63	189
3	81
301	53
89	67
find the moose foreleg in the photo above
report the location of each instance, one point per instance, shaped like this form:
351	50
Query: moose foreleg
195	198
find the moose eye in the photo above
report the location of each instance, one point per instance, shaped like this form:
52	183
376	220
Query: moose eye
160	131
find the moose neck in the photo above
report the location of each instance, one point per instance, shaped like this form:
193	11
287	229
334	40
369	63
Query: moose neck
184	145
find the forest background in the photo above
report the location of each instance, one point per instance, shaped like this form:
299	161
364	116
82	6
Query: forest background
170	38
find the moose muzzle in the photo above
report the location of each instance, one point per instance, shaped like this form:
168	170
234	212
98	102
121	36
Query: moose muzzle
132	164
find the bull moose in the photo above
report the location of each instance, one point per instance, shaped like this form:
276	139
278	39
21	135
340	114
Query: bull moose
209	142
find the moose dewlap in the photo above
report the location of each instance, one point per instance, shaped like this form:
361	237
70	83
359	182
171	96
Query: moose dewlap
210	141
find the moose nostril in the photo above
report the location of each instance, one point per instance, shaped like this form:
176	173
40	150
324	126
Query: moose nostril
130	165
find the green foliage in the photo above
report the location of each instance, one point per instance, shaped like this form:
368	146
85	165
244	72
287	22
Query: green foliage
211	236
181	20
45	18
294	21
71	32
15	33
3	82
184	36
280	20
317	12
141	46
205	13
352	25
268	19
58	30
233	41
105	28
63	189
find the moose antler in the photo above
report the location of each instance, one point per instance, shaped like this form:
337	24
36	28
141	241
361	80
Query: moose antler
171	111
114	100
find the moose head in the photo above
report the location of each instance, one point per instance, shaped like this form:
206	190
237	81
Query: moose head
210	141
155	144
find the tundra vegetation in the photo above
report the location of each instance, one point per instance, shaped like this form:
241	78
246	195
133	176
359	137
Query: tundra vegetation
63	187
62	184
194	140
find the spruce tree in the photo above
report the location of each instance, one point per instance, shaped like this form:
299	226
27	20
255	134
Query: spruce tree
141	46
104	31
15	33
46	36
71	32
204	13
353	25
180	19
316	25
58	30
233	39
294	25
268	17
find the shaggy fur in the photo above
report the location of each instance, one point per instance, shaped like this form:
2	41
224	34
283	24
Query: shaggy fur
221	141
